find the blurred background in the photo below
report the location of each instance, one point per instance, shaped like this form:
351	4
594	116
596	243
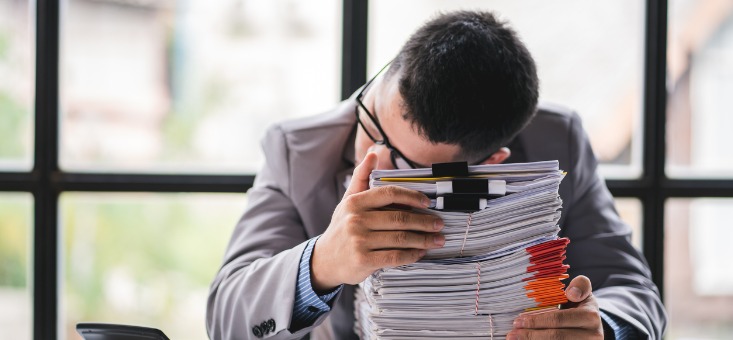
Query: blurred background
188	87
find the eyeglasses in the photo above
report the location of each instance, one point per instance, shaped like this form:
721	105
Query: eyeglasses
373	129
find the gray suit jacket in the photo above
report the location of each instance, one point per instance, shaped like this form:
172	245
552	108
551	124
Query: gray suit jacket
302	181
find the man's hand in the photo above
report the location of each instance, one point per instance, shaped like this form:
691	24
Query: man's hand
362	238
580	319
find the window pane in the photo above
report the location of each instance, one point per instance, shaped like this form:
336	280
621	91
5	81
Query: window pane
589	56
630	211
700	76
143	259
16	225
16	85
190	86
698	279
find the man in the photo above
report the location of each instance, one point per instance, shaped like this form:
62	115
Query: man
462	88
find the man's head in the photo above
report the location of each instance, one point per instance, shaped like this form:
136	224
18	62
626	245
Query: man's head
460	88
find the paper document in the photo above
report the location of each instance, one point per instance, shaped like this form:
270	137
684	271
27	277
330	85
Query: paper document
502	256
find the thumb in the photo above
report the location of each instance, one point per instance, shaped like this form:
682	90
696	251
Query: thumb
579	289
360	179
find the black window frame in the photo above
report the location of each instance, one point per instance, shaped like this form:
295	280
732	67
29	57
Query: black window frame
46	181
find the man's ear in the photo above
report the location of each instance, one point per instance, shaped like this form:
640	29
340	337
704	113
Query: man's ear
498	156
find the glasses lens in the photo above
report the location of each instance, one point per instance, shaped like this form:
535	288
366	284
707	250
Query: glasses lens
369	126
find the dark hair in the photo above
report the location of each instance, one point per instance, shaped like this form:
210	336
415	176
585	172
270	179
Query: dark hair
467	79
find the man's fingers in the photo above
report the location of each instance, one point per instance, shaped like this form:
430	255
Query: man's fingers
402	220
564	318
384	196
360	178
394	257
404	240
543	334
579	289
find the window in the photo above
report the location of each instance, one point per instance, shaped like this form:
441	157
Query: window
16	227
147	117
16	85
700	76
189	86
143	258
699	295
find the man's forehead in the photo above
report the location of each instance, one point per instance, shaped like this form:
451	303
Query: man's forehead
388	99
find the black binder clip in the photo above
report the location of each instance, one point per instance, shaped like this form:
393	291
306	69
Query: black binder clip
461	202
470	186
452	169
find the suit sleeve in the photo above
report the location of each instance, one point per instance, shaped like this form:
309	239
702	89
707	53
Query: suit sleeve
600	246
308	304
253	294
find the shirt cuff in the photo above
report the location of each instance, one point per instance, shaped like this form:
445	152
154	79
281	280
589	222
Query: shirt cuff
308	305
622	330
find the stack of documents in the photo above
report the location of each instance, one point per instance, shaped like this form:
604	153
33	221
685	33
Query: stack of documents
502	255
